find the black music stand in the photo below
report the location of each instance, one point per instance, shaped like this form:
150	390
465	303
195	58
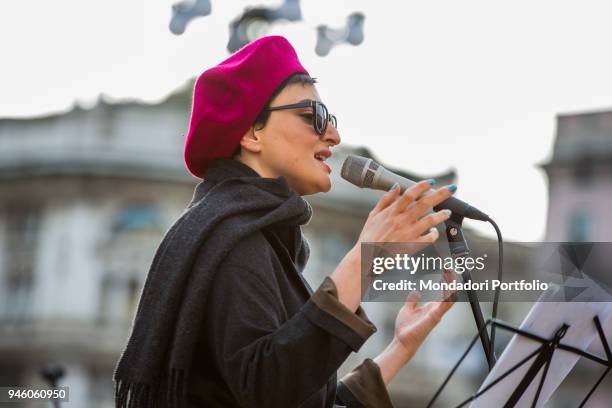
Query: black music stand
543	356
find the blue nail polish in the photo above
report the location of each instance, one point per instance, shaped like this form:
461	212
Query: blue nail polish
431	181
393	187
449	212
452	188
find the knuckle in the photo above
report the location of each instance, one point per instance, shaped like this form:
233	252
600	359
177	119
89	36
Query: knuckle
421	207
430	220
410	193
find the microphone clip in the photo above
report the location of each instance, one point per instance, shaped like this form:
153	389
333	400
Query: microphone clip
459	248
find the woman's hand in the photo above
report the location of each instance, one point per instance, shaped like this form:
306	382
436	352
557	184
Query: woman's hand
412	326
395	218
400	219
413	323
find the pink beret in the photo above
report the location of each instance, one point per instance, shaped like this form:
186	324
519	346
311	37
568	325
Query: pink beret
228	97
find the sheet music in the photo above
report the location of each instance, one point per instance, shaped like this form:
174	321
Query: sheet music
544	319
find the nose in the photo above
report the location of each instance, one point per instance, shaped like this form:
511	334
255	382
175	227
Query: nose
331	135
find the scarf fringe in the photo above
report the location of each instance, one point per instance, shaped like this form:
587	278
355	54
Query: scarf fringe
141	395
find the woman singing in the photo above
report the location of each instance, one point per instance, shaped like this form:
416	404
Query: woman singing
226	318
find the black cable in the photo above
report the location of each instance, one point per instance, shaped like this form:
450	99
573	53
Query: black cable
500	243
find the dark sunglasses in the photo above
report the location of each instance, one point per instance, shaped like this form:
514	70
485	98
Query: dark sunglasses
320	115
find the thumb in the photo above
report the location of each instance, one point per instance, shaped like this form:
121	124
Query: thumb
412	300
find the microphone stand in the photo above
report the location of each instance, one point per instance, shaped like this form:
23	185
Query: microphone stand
459	248
52	373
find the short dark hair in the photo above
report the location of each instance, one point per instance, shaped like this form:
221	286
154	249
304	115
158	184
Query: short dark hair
264	115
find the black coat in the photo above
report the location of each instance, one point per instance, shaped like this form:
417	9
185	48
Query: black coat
267	340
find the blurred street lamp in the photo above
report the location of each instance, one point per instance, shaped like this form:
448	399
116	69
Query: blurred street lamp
185	11
52	373
254	22
351	33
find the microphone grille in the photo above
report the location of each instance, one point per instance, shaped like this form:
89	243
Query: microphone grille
352	169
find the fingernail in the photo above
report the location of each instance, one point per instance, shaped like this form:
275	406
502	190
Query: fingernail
452	188
393	187
431	181
449	212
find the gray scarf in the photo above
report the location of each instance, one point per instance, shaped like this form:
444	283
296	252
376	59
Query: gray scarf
232	203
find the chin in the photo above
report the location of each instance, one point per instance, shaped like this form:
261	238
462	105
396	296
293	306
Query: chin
322	186
320	183
326	187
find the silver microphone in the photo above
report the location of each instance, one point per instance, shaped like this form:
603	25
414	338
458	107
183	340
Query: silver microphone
367	173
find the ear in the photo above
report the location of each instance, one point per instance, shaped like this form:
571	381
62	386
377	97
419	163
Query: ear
251	141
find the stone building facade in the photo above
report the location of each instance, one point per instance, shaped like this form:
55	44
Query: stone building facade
580	179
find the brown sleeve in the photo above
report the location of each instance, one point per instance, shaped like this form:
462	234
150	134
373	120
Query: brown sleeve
366	385
326	298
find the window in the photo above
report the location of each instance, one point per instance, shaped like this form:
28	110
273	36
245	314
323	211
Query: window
137	218
119	298
22	231
583	172
579	227
135	233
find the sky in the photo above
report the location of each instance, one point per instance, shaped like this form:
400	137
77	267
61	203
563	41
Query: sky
470	85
